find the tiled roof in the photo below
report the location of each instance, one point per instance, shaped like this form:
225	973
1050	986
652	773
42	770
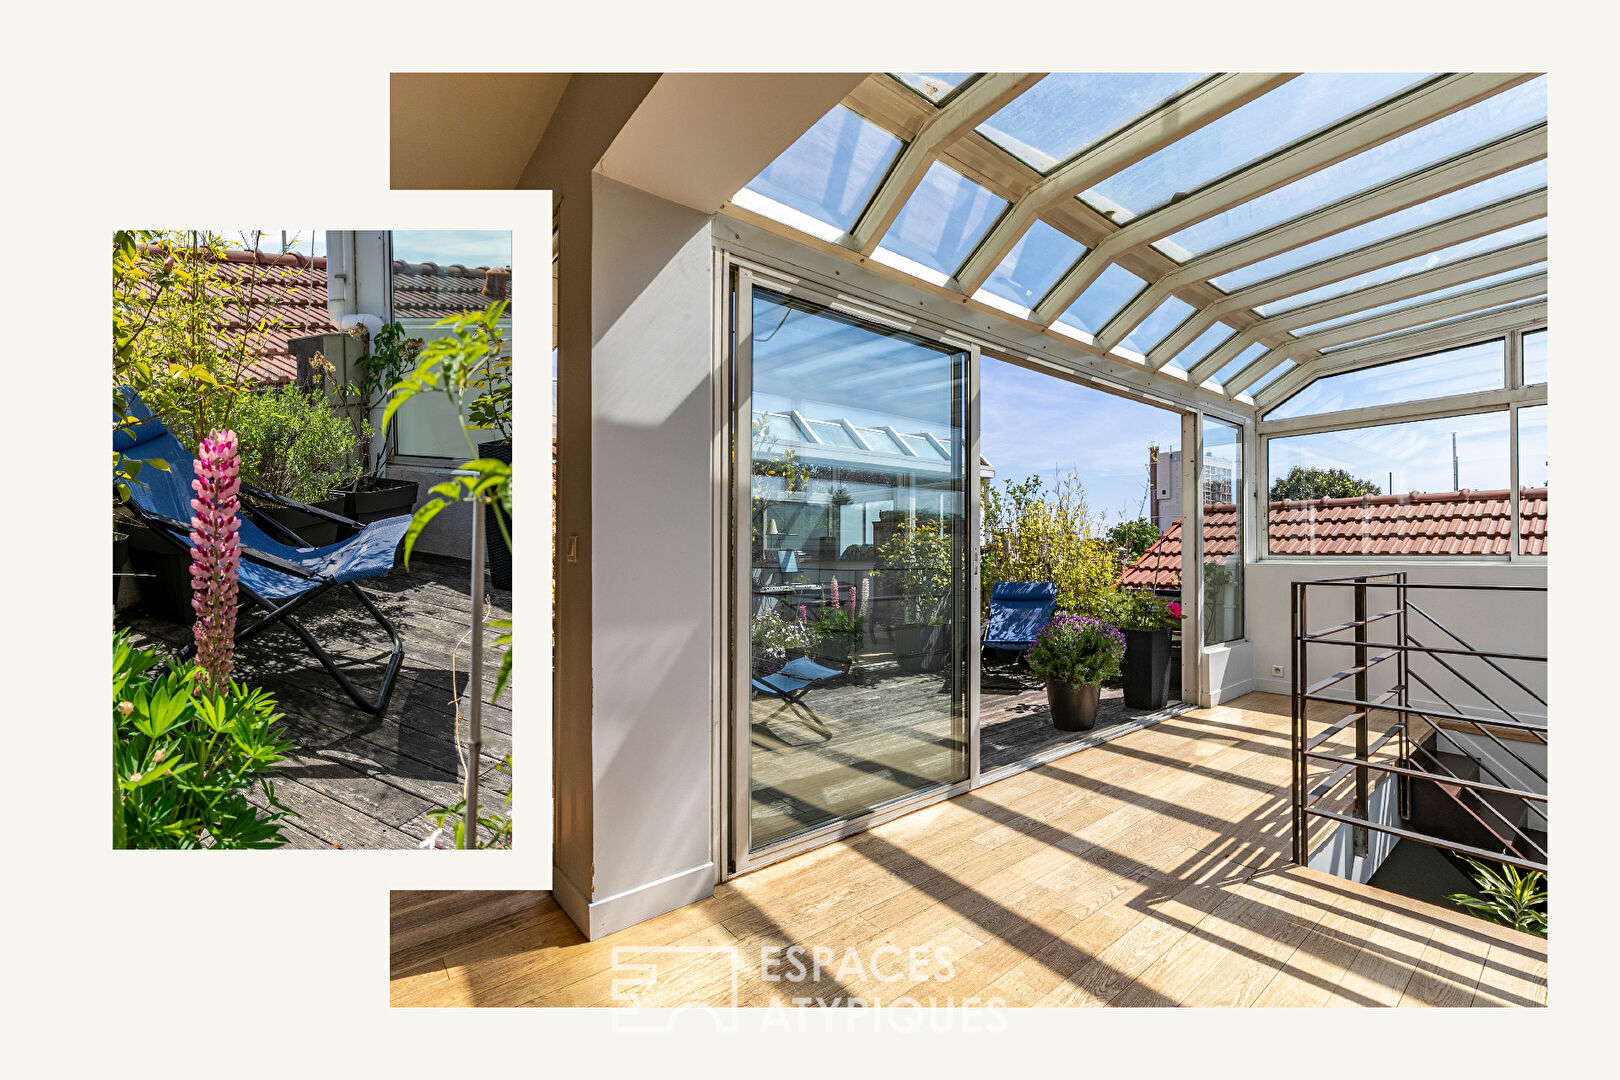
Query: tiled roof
1443	523
429	291
287	291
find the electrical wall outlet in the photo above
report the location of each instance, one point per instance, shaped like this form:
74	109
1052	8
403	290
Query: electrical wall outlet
1277	671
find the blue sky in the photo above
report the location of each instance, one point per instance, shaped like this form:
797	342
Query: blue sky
1038	424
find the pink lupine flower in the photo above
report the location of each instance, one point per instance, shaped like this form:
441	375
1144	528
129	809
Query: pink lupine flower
852	598
215	555
804	614
835	595
866	596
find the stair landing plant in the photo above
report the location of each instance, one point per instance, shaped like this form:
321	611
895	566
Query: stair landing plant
1511	897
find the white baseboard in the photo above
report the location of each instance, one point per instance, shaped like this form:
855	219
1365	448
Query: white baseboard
598	918
1236	690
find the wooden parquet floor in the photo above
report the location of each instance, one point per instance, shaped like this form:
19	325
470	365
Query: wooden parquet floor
1150	870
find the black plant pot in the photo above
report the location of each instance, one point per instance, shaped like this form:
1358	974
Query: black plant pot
165	576
315	531
1146	668
922	648
1074	708
497	556
374	498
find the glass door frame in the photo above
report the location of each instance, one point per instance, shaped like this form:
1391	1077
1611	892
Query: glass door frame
740	278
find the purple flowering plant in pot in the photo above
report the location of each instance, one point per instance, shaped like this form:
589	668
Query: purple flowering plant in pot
1074	654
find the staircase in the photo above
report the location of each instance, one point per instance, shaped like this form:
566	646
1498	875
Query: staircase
1472	783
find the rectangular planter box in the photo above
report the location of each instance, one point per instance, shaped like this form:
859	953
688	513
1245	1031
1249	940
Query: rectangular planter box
316	532
165	584
379	499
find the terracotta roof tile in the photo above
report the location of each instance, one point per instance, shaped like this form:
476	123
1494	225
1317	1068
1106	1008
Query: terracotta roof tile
429	291
1441	523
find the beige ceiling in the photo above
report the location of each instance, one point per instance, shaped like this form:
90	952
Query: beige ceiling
475	130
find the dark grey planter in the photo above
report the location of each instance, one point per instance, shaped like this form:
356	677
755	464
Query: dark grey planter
315	531
375	498
1146	668
120	559
165	576
497	556
922	648
1074	708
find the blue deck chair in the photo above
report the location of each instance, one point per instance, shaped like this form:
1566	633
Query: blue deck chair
796	679
278	576
1018	610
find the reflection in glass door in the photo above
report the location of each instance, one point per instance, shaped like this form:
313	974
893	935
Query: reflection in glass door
852	619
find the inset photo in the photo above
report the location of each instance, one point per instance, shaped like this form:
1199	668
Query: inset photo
312	537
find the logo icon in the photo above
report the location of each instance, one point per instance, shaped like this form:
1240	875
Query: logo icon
654	982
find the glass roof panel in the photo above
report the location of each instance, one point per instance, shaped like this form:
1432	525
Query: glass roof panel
1293	110
1065	113
1153	329
936	86
830	433
1479	123
1437	294
828	174
1034	264
1433	325
1497	188
942	220
1241	361
1270	377
1530	230
1533	349
1201	346
1103	299
1467	370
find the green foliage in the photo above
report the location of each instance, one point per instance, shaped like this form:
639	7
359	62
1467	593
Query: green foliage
1132	537
1142	609
1511	898
1032	534
471	357
454	820
294	442
1077	650
1303	483
838	630
391	356
184	758
915	563
772	635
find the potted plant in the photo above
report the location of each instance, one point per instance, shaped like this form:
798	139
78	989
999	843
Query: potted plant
1074	654
294	443
373	496
777	640
1146	620
916	564
838	632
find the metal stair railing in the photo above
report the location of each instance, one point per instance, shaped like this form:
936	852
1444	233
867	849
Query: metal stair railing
1319	744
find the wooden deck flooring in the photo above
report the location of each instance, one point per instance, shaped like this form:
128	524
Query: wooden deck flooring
1150	870
359	781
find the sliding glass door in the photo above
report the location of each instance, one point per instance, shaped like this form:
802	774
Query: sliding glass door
851	624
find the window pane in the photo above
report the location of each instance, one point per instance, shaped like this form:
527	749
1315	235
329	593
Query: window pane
1456	371
1269	377
1222	484
936	86
827	175
1033	266
858	572
1533	480
1201	346
1241	361
1520	180
1534	355
1295	109
437	274
1153	329
1065	113
1530	230
1422	327
1434	142
942	220
1102	300
1453	501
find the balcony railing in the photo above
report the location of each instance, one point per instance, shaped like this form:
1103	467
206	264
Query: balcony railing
1465	781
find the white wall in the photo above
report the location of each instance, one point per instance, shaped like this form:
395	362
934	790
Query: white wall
1507	622
651	433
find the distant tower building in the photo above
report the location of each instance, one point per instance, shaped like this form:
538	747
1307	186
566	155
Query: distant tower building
1164	471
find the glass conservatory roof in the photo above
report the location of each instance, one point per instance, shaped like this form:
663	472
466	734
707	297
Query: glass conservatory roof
1158	216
